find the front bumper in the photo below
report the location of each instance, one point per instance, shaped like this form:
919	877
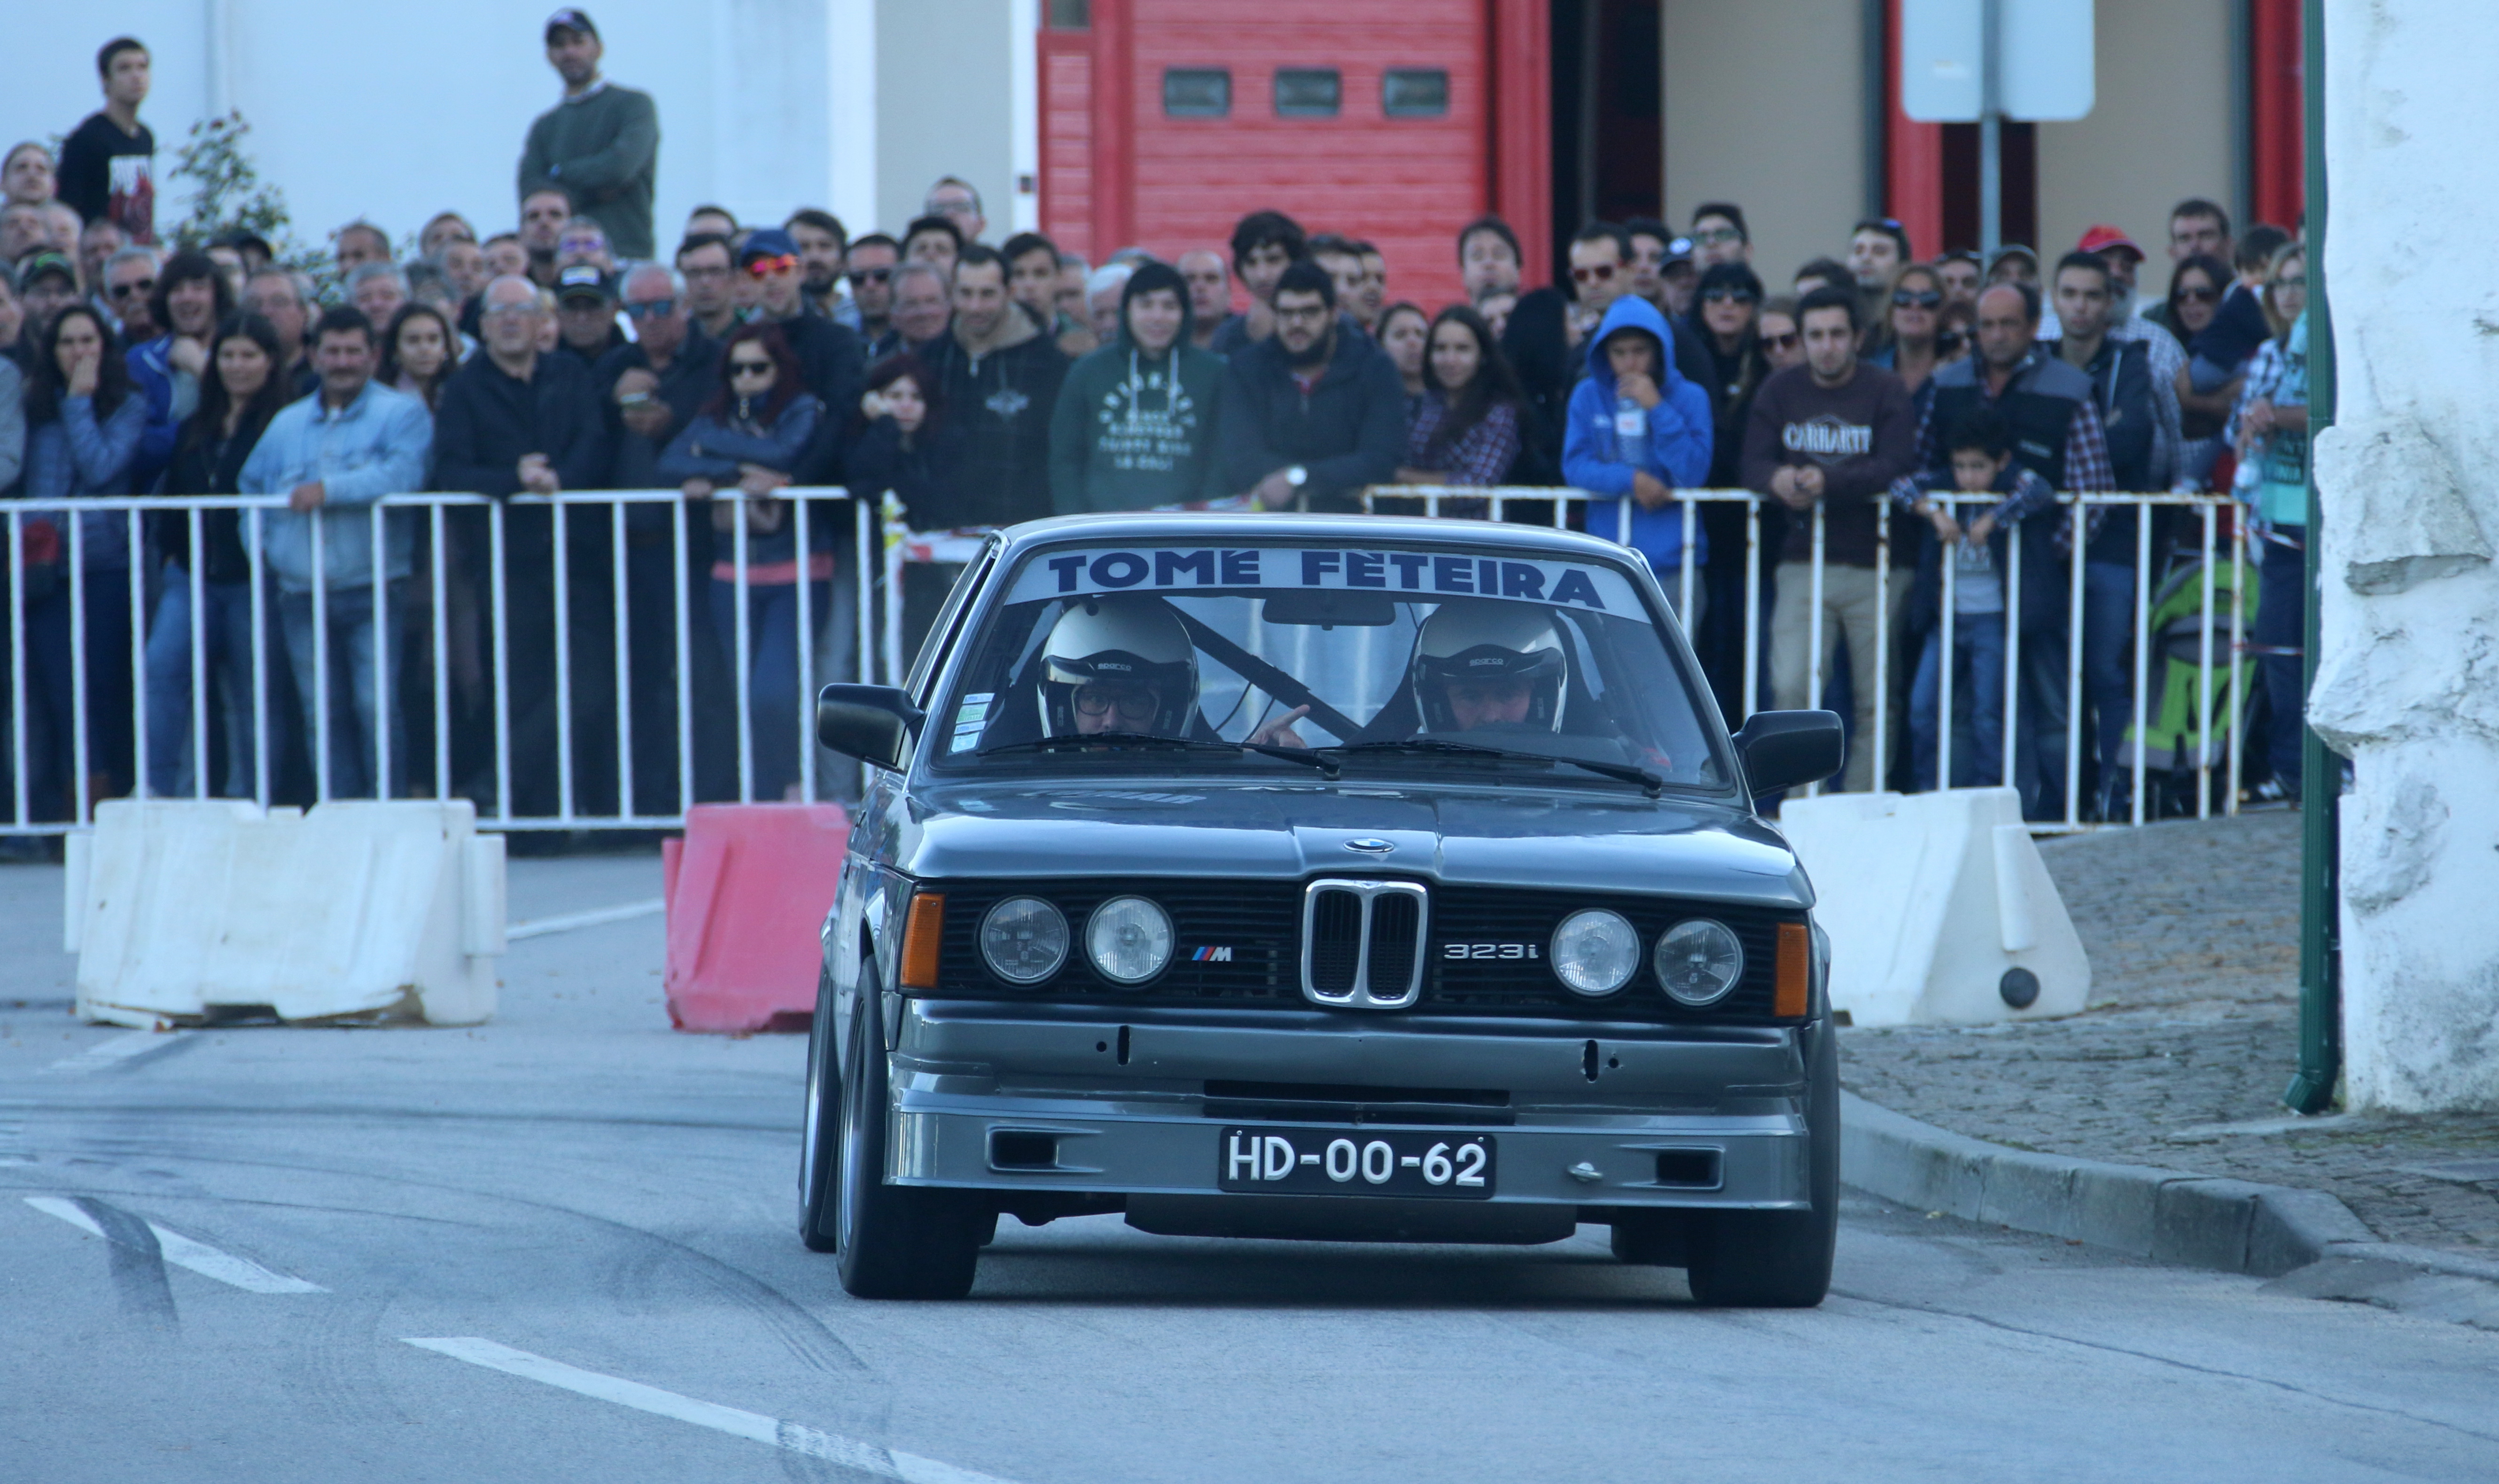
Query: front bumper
1123	1106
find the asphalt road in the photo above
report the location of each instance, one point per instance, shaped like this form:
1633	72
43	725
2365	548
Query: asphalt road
559	1247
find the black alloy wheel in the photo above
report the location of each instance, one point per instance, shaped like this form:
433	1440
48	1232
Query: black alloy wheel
893	1241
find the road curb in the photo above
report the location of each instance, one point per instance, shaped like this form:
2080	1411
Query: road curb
2307	1240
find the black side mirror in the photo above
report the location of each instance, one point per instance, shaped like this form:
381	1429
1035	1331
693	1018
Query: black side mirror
1784	750
870	723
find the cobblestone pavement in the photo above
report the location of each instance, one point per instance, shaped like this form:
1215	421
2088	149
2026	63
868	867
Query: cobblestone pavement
2193	1027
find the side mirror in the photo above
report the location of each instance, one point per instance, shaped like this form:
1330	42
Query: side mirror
1784	750
870	723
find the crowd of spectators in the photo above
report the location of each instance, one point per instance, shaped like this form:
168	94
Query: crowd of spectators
988	384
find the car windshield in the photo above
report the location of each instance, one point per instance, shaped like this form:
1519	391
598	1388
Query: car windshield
1296	658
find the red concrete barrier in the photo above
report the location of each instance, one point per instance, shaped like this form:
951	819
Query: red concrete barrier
747	888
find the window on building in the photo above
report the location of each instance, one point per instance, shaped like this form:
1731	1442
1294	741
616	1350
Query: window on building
1307	92
1414	93
1197	92
1070	15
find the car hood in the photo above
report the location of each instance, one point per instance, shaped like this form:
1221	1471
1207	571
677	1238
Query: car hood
1546	838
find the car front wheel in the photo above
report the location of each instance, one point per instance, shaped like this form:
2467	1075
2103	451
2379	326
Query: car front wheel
892	1241
1779	1259
819	1153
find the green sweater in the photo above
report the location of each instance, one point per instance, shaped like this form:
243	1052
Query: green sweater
1123	438
602	151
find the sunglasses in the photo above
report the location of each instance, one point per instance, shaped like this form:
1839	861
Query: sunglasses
1596	273
766	267
1916	298
1727	296
2200	295
142	286
652	309
1717	237
1787	342
748	368
861	276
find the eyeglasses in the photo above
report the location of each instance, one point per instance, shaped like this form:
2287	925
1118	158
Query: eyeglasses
1787	342
1717	237
1133	705
866	275
1916	298
1727	296
766	267
652	309
142	286
737	369
1594	273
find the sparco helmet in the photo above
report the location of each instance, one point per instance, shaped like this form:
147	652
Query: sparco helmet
1490	642
1119	643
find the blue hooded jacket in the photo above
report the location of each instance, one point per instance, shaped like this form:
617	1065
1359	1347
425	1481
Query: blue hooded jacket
1680	432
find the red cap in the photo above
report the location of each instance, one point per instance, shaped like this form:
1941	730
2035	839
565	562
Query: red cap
2102	237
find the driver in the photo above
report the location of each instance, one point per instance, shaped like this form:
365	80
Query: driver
1125	664
1481	667
1118	664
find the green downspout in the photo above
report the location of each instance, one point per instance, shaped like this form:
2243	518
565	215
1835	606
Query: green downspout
2320	769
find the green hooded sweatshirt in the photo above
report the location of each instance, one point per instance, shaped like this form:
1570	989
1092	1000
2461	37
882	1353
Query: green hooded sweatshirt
1132	430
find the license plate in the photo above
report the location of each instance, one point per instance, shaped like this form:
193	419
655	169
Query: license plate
1374	1162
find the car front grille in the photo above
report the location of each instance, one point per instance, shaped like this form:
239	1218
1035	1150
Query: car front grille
1239	942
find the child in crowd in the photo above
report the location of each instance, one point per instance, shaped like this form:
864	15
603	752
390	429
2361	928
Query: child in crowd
1639	427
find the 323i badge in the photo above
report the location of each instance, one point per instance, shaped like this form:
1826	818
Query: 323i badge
1305	1162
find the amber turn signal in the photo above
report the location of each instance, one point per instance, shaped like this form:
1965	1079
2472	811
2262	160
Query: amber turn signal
1793	996
919	935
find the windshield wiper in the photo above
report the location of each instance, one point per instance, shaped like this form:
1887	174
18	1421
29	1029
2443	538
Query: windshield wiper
1649	781
1156	739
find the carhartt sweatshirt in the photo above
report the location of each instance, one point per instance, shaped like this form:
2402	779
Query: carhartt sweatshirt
1861	435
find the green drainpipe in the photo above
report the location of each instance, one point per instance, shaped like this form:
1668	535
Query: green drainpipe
2320	959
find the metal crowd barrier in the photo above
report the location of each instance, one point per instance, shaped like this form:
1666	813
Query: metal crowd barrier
870	586
144	578
1611	516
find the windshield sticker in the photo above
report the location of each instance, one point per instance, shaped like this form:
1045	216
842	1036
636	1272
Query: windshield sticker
970	717
1429	576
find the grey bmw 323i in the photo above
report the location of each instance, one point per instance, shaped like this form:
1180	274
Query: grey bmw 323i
1336	878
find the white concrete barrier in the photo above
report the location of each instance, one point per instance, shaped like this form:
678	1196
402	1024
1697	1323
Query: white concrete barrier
356	909
1939	907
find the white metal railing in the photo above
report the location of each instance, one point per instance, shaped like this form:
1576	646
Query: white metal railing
2217	639
868	591
73	761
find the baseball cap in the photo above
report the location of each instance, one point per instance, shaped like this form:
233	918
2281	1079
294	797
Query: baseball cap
582	280
2013	250
1678	251
570	19
2103	237
768	242
48	261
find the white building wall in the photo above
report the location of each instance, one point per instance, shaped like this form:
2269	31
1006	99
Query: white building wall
2408	678
394	111
945	105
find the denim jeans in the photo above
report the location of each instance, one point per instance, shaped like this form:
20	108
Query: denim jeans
1978	683
2282	624
2041	716
2108	627
226	643
772	670
355	685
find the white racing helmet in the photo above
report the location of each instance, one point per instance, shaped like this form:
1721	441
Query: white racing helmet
1119	640
1490	641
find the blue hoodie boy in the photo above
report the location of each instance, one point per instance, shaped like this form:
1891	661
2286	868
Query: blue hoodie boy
1680	436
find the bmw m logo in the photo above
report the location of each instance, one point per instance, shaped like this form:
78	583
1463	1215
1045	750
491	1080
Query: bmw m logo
1210	954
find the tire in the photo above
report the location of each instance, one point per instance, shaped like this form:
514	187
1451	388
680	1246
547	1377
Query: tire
1780	1259
1651	1239
892	1241
819	1150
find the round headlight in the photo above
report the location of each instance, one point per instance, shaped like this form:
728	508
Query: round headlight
1595	951
1130	939
1698	961
1023	940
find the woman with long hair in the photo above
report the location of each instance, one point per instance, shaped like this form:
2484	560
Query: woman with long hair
420	351
1468	426
1727	314
84	424
1914	313
751	436
1405	330
240	393
2196	288
2270	432
907	444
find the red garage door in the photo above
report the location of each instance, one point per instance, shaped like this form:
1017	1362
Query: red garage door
1367	117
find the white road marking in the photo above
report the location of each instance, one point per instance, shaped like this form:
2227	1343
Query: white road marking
112	1052
183	1253
754	1427
540	927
